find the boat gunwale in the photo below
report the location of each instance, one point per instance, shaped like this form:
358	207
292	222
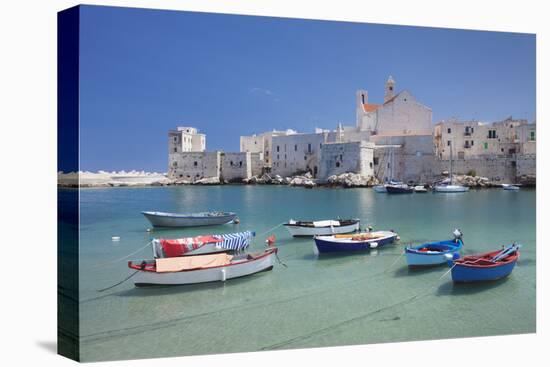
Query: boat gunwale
336	241
348	222
508	260
188	215
415	250
266	252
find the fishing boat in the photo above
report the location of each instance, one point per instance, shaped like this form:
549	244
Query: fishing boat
399	189
322	227
448	186
161	219
380	188
353	242
200	245
484	267
435	253
510	187
420	189
201	268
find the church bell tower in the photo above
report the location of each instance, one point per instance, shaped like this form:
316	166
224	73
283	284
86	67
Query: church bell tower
390	87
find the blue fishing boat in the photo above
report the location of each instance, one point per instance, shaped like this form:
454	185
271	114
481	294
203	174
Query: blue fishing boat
435	253
353	242
484	267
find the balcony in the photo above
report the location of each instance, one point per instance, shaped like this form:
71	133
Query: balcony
467	133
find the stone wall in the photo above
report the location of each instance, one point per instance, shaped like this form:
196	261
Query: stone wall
257	163
338	158
193	166
235	166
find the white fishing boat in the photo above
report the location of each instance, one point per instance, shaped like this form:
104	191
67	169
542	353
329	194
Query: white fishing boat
321	227
200	245
450	187
201	268
420	189
510	187
380	188
161	219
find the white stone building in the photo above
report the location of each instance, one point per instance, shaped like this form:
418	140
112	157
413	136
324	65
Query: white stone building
399	114
474	139
262	143
186	139
188	160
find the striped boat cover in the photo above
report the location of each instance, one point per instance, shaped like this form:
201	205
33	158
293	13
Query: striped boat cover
236	241
179	247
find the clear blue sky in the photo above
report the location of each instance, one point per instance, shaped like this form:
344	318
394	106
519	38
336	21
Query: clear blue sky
144	72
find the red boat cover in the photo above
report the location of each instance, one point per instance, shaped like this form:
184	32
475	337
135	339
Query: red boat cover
178	247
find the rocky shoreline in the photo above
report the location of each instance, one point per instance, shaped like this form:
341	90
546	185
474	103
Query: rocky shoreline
344	180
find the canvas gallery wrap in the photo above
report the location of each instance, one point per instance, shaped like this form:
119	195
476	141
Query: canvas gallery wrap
239	183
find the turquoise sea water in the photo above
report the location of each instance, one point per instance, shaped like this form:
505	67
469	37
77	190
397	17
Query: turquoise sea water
315	301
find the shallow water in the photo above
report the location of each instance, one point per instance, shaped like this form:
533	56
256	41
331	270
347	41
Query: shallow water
315	301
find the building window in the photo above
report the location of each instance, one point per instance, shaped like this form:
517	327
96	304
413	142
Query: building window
448	143
492	134
195	163
305	158
277	157
230	163
337	164
448	130
295	147
267	153
485	145
375	160
320	145
472	143
285	157
175	150
370	164
175	164
240	163
532	136
341	157
277	150
309	147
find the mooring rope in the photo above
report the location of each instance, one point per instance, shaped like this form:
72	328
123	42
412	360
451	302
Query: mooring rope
124	257
395	262
279	260
271	229
119	283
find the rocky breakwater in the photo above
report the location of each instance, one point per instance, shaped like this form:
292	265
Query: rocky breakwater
350	180
305	180
474	181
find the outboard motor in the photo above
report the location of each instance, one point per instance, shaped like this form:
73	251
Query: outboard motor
458	234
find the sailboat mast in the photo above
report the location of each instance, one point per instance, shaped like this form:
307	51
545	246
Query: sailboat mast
451	162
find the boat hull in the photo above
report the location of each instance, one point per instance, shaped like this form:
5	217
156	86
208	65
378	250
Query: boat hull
466	274
327	244
301	231
416	258
207	275
399	189
451	188
175	220
380	188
